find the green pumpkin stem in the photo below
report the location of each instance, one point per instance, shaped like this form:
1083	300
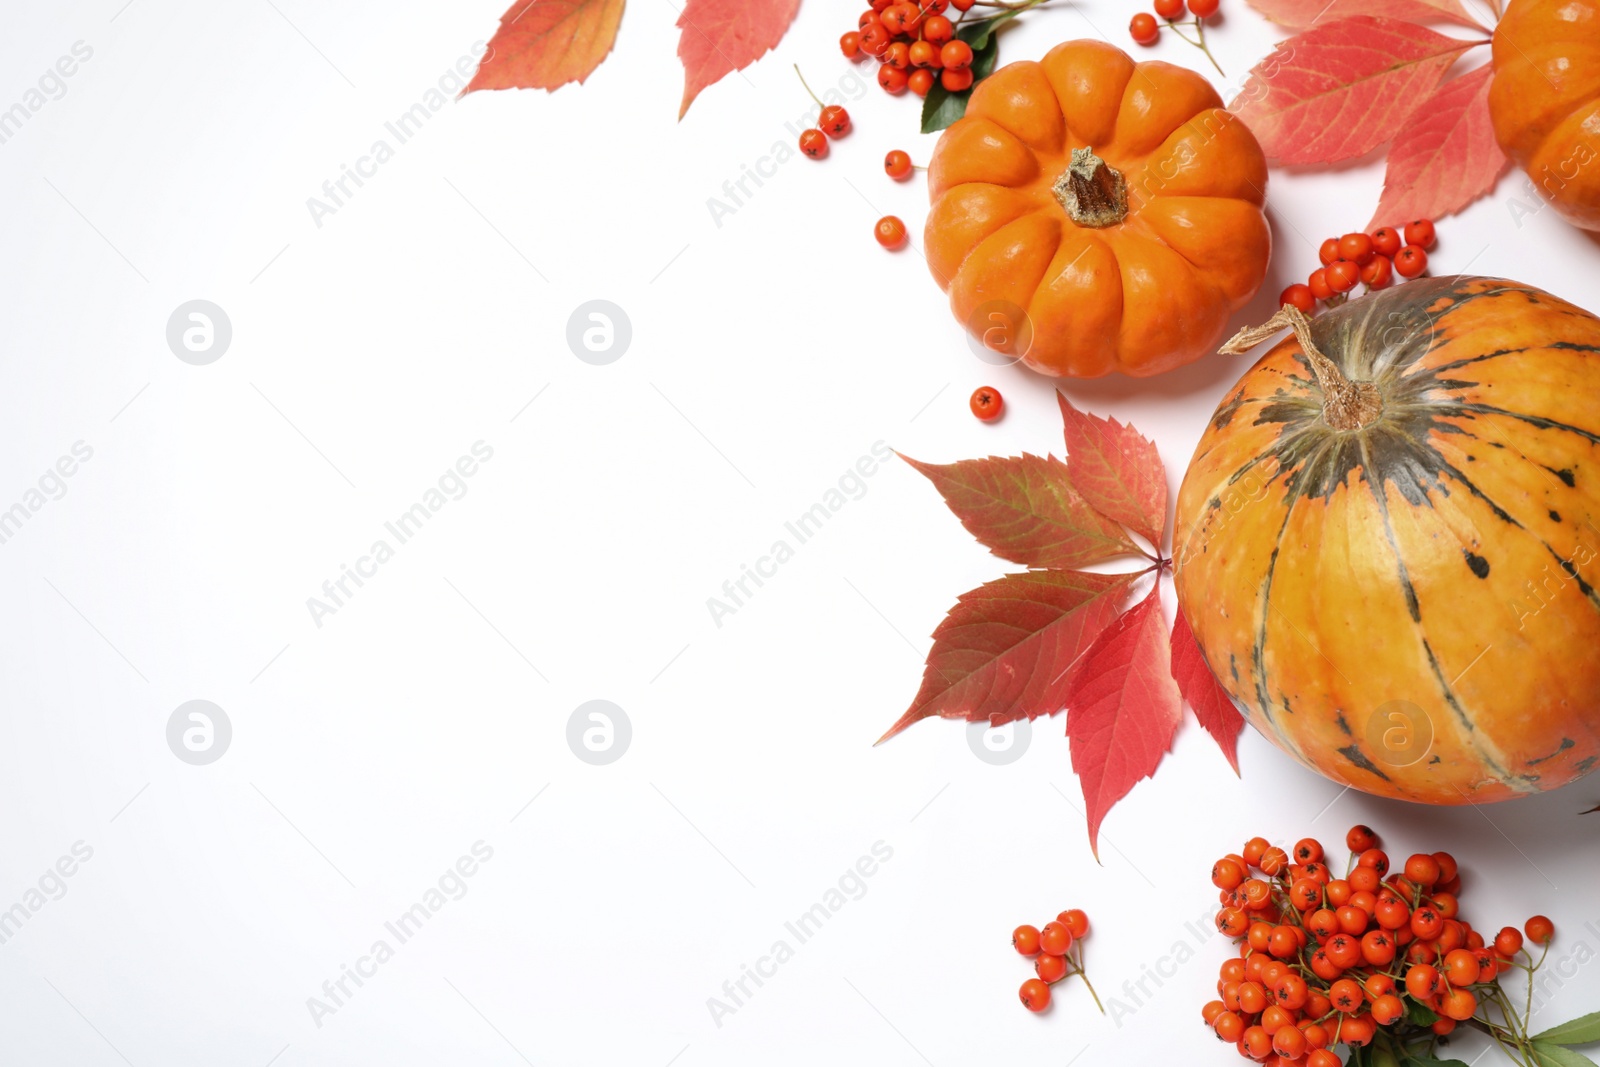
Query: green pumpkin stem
1346	405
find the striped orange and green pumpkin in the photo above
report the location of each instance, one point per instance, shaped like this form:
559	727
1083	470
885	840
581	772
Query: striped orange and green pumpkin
1391	556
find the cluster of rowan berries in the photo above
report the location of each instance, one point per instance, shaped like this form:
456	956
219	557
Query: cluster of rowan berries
913	43
1324	960
1372	258
1144	28
1055	958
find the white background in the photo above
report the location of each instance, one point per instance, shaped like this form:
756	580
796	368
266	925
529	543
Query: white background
769	353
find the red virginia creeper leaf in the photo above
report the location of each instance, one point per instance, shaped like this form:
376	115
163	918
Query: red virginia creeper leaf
1340	90
722	36
1123	708
1003	652
1303	14
544	44
1026	510
1445	157
1211	703
1118	471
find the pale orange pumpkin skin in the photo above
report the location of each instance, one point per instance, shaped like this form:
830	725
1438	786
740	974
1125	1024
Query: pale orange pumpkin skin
1441	563
1140	296
1544	100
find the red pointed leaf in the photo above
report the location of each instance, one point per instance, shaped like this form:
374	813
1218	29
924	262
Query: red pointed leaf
1026	510
1211	703
1339	90
722	36
543	44
1123	708
1003	651
1301	14
1117	470
1445	157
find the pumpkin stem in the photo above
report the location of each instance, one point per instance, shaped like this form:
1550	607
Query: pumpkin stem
1346	405
1092	192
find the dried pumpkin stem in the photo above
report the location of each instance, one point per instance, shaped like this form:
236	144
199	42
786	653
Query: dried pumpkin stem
1092	192
1346	405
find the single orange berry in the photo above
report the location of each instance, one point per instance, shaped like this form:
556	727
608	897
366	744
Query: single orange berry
1143	28
1050	968
890	232
1025	939
1055	938
1539	930
897	165
956	79
987	405
1035	993
1076	920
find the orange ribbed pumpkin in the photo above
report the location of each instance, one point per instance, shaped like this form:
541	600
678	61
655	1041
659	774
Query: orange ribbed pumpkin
1544	100
1398	580
1091	214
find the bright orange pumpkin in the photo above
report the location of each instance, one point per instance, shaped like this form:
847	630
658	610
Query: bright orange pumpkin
1091	214
1544	100
1398	578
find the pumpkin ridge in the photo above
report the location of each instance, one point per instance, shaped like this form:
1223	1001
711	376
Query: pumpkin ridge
1533	420
1258	653
1494	760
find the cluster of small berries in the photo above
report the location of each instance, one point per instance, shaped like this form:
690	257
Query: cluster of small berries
1145	30
1372	258
1053	948
913	43
1324	960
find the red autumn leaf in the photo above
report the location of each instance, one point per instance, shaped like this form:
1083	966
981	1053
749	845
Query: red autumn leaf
1004	651
1211	703
1117	470
722	36
544	44
1445	157
1026	510
1123	708
1302	14
1339	90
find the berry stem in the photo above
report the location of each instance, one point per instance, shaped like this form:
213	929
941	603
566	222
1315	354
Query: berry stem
807	88
1092	993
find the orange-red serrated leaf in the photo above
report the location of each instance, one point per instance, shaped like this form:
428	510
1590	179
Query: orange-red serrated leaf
1117	470
722	36
1339	90
1004	651
1026	510
1123	708
1211	703
544	44
1445	157
1301	14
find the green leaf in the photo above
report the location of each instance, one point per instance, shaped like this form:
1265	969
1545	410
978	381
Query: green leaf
1581	1031
1420	1014
1546	1054
941	107
977	34
1429	1061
